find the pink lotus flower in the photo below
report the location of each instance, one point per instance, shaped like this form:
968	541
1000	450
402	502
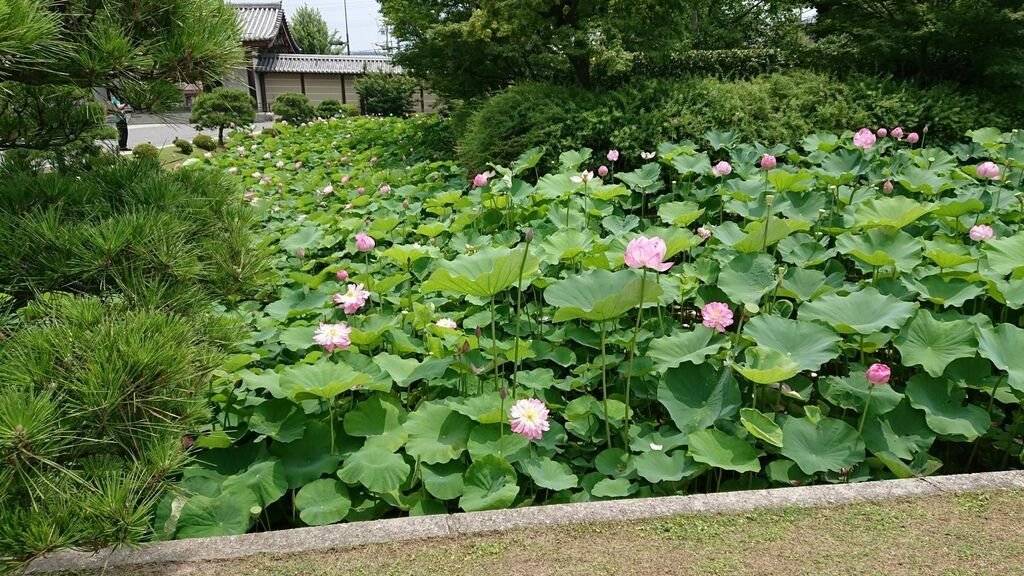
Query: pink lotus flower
704	233
298	165
989	170
280	164
483	178
364	242
613	156
353	299
333	336
385	190
642	252
344	179
882	132
981	232
897	133
913	137
878	374
602	170
360	191
300	252
265	180
648	155
716	315
723	168
257	175
887	186
447	323
328	189
373	160
342	275
864	138
529	417
768	162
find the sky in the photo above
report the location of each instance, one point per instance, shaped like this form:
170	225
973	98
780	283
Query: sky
363	19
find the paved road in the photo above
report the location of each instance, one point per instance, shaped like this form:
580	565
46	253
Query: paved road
164	134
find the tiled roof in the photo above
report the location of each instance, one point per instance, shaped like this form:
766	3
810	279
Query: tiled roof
323	64
260	21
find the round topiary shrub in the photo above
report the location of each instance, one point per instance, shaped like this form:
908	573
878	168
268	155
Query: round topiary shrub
330	108
184	146
204	142
293	108
146	152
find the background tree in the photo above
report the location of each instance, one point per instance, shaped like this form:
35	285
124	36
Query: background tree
386	94
52	54
312	34
971	41
221	108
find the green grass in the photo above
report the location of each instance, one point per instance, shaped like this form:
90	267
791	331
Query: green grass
970	534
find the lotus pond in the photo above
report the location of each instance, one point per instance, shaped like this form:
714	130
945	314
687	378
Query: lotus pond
707	316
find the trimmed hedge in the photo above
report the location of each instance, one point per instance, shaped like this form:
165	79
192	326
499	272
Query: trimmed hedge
775	108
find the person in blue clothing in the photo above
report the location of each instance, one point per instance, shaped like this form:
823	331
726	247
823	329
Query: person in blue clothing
119	110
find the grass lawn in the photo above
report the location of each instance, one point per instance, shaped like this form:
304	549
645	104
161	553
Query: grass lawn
973	534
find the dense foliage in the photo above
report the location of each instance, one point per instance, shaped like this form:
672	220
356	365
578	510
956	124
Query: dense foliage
108	341
311	33
386	94
412	307
772	108
223	108
330	108
293	107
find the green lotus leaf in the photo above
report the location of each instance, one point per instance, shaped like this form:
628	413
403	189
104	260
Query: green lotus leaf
698	164
444	481
802	250
752	238
1005	255
787	472
377	415
570	160
761	426
864	312
785	181
902	432
748	277
612	488
803	284
321	380
656	466
767	365
527	160
842	166
829	445
323	502
808	344
943	404
549	474
490	484
1004	346
282	420
297	338
934	343
680	213
491	439
486	408
554	186
851	392
484	274
310	457
227	514
924	180
882	246
698	396
405	255
600	295
308	237
377	469
693	346
893	211
720	450
266	479
567	244
823	142
437	434
944	291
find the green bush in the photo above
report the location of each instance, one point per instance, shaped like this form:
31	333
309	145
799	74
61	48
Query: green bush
184	146
329	108
270	132
775	108
223	108
204	142
293	108
349	110
386	94
146	152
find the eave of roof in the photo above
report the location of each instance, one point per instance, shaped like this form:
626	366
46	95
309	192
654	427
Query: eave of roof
324	64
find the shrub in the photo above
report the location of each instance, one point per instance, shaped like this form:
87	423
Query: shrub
221	108
270	132
293	108
146	152
204	142
776	108
329	108
386	94
349	110
184	146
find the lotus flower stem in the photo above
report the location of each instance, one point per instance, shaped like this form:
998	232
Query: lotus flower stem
494	345
632	354
867	403
519	312
604	388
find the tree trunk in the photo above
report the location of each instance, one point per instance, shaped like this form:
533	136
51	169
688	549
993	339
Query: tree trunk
220	136
581	68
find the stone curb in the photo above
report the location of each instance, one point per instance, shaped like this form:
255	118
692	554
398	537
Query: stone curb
415	528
